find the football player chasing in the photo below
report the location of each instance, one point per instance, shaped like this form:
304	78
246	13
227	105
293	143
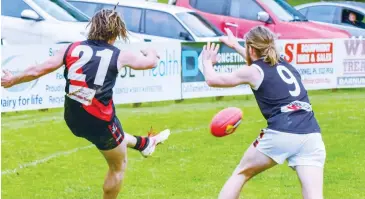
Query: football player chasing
292	131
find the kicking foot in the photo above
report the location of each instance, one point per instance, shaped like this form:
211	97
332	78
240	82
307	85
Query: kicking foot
154	140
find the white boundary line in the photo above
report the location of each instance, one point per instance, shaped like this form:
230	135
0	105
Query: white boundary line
65	153
46	159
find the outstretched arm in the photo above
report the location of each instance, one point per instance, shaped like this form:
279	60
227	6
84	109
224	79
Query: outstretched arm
231	41
147	59
34	72
244	75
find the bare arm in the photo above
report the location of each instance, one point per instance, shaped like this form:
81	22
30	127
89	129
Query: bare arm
245	75
231	41
240	50
34	72
138	61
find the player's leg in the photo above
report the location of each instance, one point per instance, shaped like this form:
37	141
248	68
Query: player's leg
252	163
270	148
309	163
311	179
108	138
117	162
146	144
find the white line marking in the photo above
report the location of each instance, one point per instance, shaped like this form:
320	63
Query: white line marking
64	153
46	159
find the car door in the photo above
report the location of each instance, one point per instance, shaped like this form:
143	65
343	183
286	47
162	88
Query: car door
243	17
15	28
160	26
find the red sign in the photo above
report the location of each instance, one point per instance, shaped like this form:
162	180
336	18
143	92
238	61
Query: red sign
314	53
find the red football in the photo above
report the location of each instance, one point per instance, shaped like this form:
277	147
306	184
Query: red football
226	121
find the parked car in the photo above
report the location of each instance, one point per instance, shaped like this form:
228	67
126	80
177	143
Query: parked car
242	15
39	21
42	22
347	15
155	21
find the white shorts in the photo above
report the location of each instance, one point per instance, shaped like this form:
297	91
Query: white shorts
297	149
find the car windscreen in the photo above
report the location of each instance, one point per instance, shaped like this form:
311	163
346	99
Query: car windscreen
284	11
72	10
198	25
53	8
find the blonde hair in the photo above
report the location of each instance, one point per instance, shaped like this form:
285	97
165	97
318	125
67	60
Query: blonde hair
107	25
262	40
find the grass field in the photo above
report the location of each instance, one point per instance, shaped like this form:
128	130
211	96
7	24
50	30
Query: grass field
41	159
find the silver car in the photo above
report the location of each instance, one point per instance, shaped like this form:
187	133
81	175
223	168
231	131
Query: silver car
155	21
346	15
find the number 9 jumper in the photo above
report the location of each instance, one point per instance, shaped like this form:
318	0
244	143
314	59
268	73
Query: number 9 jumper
292	134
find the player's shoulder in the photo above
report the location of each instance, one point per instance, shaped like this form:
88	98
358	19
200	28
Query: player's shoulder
282	61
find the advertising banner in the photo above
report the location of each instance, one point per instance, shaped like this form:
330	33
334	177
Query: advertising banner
193	82
314	60
351	67
160	83
46	92
323	64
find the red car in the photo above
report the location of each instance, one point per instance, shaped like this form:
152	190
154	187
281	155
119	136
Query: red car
242	15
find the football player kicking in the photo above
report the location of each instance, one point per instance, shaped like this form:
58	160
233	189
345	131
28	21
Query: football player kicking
292	134
91	70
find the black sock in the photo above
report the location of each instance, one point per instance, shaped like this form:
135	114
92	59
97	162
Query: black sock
142	143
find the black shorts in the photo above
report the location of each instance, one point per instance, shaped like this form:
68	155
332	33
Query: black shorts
104	135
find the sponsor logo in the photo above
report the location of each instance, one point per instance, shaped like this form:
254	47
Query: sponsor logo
350	81
354	63
192	65
81	94
355	47
314	53
231	128
167	66
287	52
307	53
295	106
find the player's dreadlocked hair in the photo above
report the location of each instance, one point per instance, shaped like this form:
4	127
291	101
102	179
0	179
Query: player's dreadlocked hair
106	25
262	40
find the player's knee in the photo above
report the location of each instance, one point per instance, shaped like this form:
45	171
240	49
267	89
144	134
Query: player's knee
113	182
247	172
120	167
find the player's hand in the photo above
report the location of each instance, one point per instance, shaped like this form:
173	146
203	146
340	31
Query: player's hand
150	51
7	80
210	52
230	40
